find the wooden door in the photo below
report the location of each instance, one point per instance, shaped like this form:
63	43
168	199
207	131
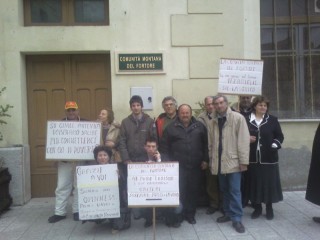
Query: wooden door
51	81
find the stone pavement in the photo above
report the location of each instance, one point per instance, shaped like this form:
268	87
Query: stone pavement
293	220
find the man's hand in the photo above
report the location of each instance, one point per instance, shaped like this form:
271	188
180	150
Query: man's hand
157	156
204	165
243	167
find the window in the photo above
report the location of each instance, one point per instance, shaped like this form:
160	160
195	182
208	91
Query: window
66	12
290	48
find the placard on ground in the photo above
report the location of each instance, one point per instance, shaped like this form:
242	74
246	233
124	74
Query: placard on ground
153	184
98	191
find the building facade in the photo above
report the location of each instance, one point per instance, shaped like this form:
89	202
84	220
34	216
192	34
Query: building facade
54	51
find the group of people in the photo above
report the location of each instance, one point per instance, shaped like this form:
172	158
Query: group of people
235	147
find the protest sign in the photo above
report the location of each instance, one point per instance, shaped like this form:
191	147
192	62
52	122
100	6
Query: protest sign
98	191
240	76
153	184
70	140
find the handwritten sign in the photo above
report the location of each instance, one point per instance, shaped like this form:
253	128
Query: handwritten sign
153	184
69	140
98	191
240	77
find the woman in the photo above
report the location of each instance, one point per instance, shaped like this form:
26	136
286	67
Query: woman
110	132
266	138
103	155
313	189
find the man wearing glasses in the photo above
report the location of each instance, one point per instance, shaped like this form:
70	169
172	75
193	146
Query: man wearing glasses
66	176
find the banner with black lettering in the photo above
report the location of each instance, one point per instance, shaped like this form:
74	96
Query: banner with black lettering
153	184
68	140
98	191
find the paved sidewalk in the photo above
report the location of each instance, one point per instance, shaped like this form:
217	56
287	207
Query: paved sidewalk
293	220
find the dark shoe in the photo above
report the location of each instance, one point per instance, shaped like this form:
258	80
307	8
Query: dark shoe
191	220
176	225
223	219
148	223
55	218
211	210
316	219
76	216
256	213
238	227
222	211
269	214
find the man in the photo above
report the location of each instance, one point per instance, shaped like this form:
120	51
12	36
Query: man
151	148
244	105
153	155
66	176
169	105
134	131
230	156
313	189
185	140
212	184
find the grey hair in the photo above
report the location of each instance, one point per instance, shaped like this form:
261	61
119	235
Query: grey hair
220	96
170	98
208	97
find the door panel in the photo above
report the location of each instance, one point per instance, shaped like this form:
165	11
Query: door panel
51	81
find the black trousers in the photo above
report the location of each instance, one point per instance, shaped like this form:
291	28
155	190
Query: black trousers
189	184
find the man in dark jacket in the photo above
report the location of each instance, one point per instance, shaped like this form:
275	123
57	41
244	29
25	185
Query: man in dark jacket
185	140
134	131
313	189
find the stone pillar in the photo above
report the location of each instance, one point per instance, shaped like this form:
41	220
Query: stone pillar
17	160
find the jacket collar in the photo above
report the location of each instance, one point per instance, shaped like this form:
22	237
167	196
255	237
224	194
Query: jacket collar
178	123
227	115
264	121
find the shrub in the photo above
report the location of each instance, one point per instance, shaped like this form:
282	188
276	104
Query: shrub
4	109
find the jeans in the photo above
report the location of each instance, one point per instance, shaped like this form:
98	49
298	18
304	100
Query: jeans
66	182
230	186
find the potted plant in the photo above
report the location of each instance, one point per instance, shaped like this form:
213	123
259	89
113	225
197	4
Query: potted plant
5	177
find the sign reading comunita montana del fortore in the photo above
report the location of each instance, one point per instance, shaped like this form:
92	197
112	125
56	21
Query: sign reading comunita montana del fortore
140	63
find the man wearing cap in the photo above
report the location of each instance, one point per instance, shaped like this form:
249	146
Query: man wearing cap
66	176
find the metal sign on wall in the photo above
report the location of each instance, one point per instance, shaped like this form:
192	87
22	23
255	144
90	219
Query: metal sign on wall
140	63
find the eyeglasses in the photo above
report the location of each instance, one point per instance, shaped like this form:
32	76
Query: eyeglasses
71	110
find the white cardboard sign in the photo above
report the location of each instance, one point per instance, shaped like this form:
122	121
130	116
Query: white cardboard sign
153	184
240	76
70	140
98	191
